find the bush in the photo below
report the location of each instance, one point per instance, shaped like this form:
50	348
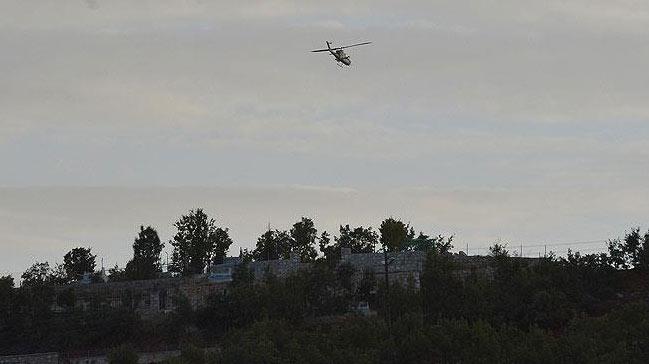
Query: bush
123	354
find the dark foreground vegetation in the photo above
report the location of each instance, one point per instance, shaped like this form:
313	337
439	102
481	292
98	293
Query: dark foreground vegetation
574	309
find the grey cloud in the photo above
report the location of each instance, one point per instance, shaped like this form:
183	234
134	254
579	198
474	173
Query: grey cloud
520	95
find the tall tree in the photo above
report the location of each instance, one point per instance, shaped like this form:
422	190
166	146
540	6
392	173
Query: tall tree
330	251
271	245
359	239
221	246
643	254
146	255
303	239
632	252
197	243
78	261
395	235
37	275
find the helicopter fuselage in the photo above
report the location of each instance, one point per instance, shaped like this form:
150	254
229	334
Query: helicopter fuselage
341	57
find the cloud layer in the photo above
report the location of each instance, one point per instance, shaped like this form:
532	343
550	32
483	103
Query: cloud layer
548	98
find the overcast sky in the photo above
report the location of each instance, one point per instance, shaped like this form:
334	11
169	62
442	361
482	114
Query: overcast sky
525	121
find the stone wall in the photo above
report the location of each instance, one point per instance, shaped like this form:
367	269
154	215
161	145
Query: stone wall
408	266
147	297
403	267
280	267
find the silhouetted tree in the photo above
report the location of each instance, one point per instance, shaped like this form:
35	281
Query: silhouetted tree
37	275
328	250
78	261
221	246
146	255
303	239
271	245
424	243
359	240
35	296
58	275
395	235
632	252
197	243
643	256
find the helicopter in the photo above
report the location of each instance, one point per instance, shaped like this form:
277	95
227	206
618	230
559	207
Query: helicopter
339	54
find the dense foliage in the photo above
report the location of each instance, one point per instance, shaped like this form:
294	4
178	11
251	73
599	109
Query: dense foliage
146	255
77	262
574	309
395	234
198	243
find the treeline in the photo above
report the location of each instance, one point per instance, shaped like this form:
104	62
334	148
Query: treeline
578	308
199	242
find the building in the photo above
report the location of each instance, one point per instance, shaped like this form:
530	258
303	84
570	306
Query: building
147	297
408	266
159	296
277	267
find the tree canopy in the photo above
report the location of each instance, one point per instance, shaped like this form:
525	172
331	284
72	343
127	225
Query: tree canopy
395	235
146	255
271	245
198	243
358	239
280	244
78	261
303	239
632	251
38	274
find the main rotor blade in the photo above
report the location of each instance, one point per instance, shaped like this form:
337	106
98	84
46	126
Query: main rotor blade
337	48
353	45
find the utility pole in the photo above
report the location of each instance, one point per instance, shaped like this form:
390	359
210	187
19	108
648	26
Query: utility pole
388	315
387	290
386	264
